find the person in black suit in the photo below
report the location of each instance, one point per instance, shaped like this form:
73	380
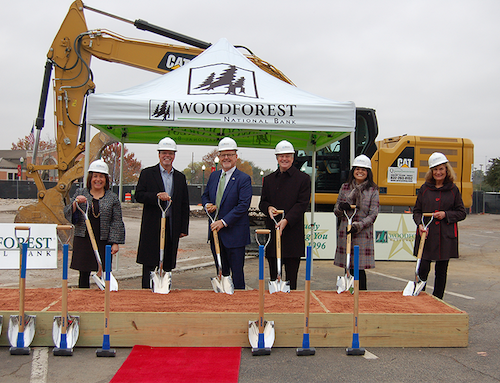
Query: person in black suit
162	182
286	189
232	223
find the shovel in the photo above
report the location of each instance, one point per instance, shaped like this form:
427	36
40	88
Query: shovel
413	288
106	350
278	285
162	281
220	283
306	350
355	349
261	332
65	328
97	277
21	327
346	283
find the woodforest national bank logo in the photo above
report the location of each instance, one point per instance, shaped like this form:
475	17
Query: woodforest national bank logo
222	79
401	239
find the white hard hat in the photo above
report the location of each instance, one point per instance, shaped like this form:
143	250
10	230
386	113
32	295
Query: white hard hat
167	144
99	166
362	161
284	147
227	143
436	159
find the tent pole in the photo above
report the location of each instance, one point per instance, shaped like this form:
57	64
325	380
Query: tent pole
122	149
313	201
352	144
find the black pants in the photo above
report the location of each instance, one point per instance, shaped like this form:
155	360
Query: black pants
84	280
440	275
362	278
291	270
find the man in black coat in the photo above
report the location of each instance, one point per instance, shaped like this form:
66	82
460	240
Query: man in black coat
161	182
286	189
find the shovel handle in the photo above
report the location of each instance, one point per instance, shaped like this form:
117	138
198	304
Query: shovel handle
428	214
423	236
217	252
92	237
94	246
22	228
162	234
263	231
216	241
64	227
348	249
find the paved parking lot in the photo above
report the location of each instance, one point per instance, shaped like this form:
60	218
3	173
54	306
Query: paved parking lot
473	286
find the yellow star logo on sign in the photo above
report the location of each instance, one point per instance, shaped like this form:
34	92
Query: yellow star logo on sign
402	239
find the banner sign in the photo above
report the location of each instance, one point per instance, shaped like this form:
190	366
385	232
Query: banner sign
42	245
325	234
394	236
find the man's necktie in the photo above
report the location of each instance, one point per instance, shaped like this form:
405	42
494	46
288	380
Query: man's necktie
220	189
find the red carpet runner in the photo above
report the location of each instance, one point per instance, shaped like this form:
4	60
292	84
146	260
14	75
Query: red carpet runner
180	364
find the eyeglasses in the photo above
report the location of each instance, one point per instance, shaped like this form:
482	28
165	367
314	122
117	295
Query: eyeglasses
167	153
227	155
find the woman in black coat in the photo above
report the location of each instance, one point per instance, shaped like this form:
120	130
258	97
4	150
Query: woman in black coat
105	216
440	196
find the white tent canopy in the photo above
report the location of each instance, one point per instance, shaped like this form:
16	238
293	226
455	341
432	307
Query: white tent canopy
221	93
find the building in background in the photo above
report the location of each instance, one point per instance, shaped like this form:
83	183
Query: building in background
15	162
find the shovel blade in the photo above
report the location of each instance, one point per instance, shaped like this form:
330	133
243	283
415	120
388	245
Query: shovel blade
419	287
98	281
273	287
409	289
345	283
216	284
279	286
161	283
113	283
253	334
72	331
24	339
227	285
223	285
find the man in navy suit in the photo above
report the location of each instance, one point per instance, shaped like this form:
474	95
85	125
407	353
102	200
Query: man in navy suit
161	182
234	189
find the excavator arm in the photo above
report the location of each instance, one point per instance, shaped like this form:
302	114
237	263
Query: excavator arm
69	57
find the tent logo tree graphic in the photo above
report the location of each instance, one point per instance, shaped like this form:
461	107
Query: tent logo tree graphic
222	79
162	110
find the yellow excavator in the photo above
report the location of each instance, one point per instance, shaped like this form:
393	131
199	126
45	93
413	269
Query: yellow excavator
69	57
398	163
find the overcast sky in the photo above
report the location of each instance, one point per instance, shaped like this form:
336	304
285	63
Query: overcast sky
428	67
